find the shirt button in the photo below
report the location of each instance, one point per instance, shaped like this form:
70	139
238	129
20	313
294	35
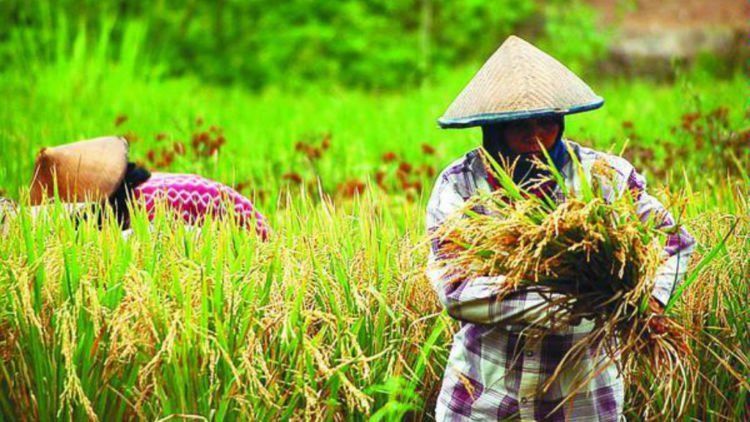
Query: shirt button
524	400
529	353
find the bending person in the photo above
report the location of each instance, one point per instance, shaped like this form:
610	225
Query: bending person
98	170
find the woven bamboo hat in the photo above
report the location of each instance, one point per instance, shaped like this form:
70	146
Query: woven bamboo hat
519	81
88	170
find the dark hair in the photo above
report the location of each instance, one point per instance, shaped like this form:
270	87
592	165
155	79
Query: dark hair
135	175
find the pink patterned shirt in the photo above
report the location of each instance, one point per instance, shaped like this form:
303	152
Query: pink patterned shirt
191	197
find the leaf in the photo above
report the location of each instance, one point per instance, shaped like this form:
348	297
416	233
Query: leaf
698	268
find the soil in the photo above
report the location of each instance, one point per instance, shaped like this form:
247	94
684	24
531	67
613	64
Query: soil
660	14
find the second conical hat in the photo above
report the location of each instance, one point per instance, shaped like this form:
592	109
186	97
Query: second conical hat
519	81
88	170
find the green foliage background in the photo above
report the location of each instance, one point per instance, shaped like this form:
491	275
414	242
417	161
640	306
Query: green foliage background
367	43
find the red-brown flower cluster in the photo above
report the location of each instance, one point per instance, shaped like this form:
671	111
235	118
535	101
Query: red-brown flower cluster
311	151
706	136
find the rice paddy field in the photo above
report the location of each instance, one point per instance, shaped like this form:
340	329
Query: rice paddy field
333	318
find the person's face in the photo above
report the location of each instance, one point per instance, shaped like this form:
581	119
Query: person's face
523	136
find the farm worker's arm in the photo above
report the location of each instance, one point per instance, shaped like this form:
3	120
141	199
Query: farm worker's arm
471	299
679	245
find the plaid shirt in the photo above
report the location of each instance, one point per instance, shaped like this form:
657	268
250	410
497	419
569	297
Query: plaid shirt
499	360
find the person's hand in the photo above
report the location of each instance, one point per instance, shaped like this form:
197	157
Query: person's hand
657	323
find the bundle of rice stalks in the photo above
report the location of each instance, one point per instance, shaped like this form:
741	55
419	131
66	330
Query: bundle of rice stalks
590	255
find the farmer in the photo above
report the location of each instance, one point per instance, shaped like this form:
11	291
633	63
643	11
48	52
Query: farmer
98	170
496	369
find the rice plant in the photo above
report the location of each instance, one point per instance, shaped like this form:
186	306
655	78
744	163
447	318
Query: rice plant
331	319
320	322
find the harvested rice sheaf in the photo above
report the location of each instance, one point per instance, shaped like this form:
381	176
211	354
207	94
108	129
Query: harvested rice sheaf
591	251
591	256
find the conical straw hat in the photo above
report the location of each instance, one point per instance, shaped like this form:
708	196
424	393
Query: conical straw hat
88	170
519	81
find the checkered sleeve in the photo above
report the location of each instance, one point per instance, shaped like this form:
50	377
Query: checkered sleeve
679	244
472	299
